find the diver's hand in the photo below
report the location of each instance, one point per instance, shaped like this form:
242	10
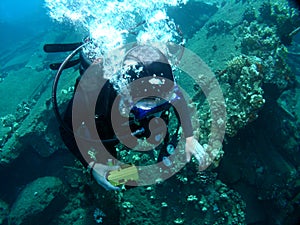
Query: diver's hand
100	171
193	147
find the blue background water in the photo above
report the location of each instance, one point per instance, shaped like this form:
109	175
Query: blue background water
21	19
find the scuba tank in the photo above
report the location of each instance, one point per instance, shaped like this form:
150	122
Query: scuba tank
83	60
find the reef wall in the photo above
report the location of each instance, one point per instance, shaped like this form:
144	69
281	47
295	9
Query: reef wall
248	51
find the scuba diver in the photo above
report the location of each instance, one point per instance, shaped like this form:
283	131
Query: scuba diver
142	108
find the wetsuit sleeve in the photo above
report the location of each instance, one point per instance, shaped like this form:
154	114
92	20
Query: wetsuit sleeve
68	137
182	113
103	124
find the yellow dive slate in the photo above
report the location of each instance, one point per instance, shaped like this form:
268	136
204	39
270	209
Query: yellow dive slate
127	173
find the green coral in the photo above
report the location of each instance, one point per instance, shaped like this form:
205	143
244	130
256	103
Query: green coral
282	17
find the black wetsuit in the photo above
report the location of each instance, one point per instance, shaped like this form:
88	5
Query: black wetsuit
104	125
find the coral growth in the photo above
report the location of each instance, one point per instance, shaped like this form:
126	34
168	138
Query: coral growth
241	83
282	18
242	88
258	39
267	38
201	196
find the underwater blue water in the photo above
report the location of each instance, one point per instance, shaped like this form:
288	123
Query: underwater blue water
21	19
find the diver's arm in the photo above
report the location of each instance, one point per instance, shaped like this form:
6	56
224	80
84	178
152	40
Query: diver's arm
68	137
182	114
192	146
97	170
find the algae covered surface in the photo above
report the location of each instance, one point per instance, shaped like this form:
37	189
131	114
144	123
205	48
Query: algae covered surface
252	48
